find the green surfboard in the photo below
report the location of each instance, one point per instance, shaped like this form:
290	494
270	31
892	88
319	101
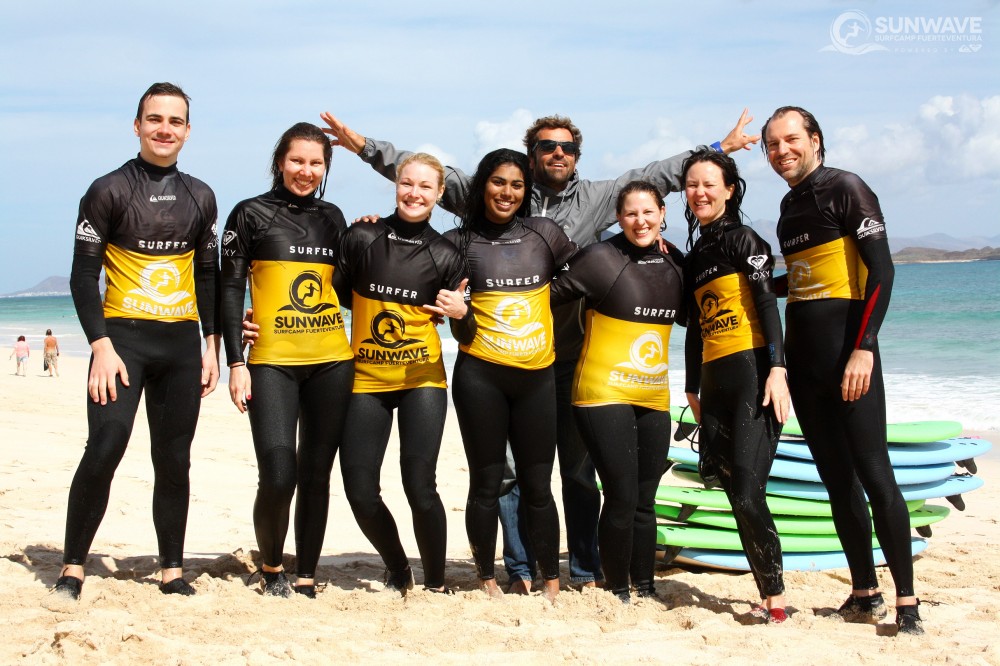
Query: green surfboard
914	432
716	499
919	517
690	536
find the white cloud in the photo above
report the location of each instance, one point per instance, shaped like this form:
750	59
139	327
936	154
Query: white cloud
507	133
949	139
664	142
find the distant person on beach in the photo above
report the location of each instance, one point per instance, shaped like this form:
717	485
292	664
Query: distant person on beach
296	382
832	227
633	295
735	376
152	229
22	352
583	209
51	353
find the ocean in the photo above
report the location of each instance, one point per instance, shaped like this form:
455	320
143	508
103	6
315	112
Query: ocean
940	343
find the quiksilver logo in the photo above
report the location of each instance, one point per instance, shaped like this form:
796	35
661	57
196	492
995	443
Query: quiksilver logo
85	232
153	198
869	226
411	241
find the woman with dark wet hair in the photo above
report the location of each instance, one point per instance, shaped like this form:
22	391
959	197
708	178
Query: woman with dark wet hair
735	382
503	386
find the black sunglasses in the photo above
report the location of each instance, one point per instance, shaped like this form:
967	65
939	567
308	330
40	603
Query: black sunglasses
549	146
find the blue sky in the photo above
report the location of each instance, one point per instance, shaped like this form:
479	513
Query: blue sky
919	119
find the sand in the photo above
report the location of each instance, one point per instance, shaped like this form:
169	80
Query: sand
123	619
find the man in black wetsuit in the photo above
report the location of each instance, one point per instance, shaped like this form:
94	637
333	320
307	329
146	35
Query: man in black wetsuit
152	229
840	275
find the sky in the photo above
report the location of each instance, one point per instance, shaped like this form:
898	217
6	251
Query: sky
907	94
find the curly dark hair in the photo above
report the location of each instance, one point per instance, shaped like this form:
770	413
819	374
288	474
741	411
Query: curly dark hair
474	213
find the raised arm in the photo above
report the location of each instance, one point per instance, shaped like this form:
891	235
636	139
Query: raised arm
384	157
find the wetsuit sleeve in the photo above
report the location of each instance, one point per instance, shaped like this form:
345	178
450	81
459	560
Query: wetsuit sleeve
93	228
83	284
574	280
677	257
752	256
237	242
863	217
692	356
206	270
384	157
464	329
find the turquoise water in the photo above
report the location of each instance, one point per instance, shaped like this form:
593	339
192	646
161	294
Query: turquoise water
940	342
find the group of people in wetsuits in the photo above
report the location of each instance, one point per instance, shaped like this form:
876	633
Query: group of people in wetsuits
562	348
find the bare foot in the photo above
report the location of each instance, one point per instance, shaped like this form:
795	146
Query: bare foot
550	590
490	587
519	586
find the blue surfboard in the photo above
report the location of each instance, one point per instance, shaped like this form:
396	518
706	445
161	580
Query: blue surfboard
903	455
805	470
737	561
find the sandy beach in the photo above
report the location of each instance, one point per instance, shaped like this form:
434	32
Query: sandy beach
123	619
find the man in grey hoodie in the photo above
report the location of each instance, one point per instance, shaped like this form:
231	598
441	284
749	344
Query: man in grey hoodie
584	209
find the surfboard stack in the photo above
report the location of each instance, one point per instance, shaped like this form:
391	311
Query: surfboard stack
697	526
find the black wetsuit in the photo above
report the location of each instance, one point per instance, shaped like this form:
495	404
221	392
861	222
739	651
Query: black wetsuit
621	392
153	231
394	267
504	387
300	367
729	355
840	276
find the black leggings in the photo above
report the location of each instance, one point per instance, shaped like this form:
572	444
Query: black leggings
314	398
366	436
628	445
847	439
495	403
164	360
741	437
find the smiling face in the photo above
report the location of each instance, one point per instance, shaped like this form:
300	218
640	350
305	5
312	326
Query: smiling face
417	190
504	193
552	169
706	191
792	152
303	167
162	129
640	218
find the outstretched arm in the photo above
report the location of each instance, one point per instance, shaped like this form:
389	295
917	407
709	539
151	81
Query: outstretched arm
737	137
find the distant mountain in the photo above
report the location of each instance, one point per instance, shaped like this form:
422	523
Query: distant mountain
923	254
50	286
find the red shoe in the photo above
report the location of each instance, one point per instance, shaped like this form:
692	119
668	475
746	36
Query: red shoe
777	615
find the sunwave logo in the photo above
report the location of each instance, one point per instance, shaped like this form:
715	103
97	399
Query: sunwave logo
647	354
304	294
85	232
513	316
853	33
160	282
388	330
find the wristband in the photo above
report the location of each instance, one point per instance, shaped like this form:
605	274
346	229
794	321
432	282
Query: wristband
717	146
